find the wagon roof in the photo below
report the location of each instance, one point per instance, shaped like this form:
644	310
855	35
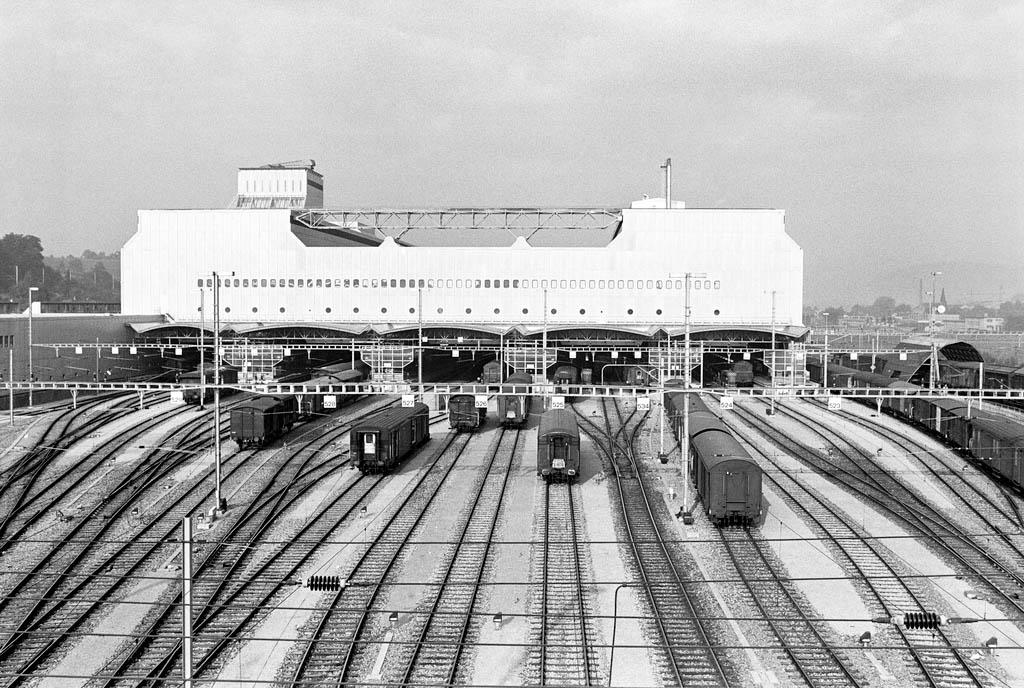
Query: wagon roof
389	417
519	379
340	377
1002	429
259	403
558	421
718	442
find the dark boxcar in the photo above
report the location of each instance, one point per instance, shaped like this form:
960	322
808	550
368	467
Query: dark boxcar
558	446
999	442
492	373
744	371
566	375
228	376
463	415
728	481
313	404
381	442
262	420
514	406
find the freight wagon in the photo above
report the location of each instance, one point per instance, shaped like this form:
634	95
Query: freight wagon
261	420
558	446
463	415
379	443
514	405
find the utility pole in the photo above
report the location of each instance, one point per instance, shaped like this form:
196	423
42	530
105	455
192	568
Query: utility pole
221	503
202	348
31	381
186	601
824	364
933	366
419	339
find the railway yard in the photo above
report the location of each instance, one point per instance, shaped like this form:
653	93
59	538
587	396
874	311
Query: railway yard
462	566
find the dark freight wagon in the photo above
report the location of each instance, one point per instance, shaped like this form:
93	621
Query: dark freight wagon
379	443
558	446
514	404
262	420
463	415
728	481
312	405
492	373
228	376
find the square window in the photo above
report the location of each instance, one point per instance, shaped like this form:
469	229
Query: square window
200	283
505	284
622	284
593	284
718	284
263	282
600	284
458	284
273	282
319	283
707	284
401	283
572	284
543	284
534	282
515	284
658	284
696	284
630	284
450	283
394	283
564	284
291	282
650	284
355	282
477	283
487	284
423	283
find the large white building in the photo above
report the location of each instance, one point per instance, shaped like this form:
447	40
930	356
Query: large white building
284	261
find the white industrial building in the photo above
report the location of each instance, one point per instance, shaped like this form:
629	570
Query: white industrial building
285	261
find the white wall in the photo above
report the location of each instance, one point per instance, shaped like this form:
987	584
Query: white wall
746	252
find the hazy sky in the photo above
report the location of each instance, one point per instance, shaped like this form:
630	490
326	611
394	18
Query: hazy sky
891	132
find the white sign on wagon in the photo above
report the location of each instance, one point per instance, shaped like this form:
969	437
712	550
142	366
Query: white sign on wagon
558	402
643	403
835	403
725	403
408	400
330	401
480	401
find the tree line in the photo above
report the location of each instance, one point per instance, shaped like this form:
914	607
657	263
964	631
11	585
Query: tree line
70	278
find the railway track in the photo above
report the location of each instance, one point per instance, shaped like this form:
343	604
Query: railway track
562	628
933	659
685	654
435	657
337	650
1004	520
846	465
808	652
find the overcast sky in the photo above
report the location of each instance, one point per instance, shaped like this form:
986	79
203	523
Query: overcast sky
890	132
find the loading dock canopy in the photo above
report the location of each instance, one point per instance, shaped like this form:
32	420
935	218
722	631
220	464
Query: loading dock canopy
950	349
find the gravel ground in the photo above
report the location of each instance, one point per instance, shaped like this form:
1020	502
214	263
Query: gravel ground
258	661
500	656
944	590
632	664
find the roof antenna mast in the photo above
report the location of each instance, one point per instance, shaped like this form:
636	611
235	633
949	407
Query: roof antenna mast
668	182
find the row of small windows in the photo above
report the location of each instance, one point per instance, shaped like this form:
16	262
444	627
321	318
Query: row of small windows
6	341
275	187
309	282
554	311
